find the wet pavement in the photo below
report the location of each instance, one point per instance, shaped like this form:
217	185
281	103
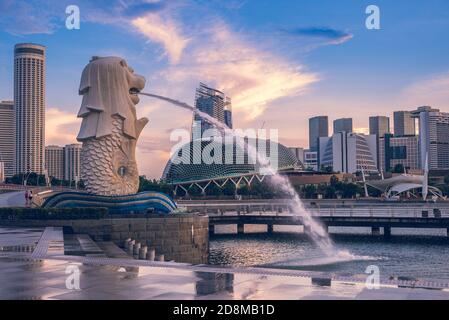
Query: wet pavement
33	266
12	199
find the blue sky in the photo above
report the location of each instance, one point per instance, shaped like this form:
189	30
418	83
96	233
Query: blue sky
280	61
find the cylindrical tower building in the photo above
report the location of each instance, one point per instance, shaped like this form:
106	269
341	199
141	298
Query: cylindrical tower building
29	105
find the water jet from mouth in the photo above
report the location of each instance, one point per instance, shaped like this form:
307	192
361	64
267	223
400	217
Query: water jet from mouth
317	231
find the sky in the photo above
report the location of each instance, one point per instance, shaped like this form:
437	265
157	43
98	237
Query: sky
281	62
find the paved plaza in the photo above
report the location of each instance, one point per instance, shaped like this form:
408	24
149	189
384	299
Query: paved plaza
33	265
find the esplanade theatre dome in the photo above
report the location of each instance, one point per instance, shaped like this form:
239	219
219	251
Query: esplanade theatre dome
188	164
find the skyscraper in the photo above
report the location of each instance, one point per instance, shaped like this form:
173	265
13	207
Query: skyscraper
318	127
343	124
402	150
349	152
212	102
228	112
72	154
433	137
29	107
379	125
54	161
7	137
404	123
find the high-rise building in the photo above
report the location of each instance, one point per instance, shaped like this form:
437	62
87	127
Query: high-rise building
72	154
404	123
318	127
298	153
433	137
349	152
7	137
29	107
310	160
379	125
212	102
54	161
343	124
228	112
402	150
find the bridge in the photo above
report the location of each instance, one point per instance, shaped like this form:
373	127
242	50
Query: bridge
332	213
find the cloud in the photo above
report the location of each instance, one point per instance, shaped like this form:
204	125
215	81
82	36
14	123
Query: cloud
61	127
163	31
252	77
432	90
330	35
132	9
22	17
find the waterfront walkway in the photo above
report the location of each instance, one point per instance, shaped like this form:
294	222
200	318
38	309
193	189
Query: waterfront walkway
34	267
12	199
372	213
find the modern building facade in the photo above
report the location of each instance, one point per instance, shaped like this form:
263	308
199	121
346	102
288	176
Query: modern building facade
399	150
310	160
63	163
54	161
7	137
343	125
349	153
404	123
234	165
228	112
379	125
433	137
29	107
212	102
318	127
72	154
298	152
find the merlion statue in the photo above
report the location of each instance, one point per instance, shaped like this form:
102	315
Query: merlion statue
110	128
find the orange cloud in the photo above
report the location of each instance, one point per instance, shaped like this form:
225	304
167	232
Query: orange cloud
163	31
251	77
61	127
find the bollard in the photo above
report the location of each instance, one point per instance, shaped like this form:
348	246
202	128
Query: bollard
126	243
143	253
137	247
130	249
160	257
151	254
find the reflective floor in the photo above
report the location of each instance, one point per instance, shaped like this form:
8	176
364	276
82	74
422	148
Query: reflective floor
54	277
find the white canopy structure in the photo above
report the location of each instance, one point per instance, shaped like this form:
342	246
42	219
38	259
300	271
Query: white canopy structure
403	183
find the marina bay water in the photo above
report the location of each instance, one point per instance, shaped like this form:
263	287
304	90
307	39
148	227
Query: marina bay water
408	253
316	231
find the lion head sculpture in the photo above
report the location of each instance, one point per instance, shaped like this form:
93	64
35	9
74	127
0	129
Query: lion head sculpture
109	128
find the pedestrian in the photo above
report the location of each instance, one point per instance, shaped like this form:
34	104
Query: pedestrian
31	197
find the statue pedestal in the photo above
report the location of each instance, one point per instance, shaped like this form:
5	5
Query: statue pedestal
136	203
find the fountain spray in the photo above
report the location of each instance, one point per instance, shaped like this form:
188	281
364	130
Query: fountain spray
317	232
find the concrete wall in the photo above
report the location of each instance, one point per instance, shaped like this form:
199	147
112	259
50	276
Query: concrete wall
180	237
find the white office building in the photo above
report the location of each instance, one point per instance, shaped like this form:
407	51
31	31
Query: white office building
433	137
72	154
7	137
349	153
54	161
29	107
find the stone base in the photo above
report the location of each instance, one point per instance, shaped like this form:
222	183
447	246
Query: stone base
135	203
179	237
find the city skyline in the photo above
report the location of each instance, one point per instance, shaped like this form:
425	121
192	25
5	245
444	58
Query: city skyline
306	74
